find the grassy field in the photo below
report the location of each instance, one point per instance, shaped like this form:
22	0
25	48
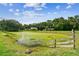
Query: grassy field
9	46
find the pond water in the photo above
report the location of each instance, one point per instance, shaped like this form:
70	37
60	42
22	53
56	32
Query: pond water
28	41
22	39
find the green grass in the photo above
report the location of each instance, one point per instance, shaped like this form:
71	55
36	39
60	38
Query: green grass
9	47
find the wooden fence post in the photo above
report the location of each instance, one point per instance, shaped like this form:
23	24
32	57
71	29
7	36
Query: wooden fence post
55	43
73	33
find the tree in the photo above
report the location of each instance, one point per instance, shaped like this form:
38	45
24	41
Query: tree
26	27
77	21
10	25
59	23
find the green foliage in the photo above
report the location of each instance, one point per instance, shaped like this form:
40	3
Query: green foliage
9	47
10	25
58	24
50	25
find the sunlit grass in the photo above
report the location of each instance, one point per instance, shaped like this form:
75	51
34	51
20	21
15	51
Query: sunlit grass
8	45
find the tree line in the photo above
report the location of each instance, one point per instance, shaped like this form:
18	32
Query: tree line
10	25
55	24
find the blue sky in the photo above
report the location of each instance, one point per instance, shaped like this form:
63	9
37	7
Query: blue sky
27	13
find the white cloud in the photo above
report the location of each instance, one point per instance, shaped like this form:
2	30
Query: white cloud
64	11
43	5
10	10
69	6
33	17
4	4
32	5
71	3
17	10
57	7
16	14
49	13
10	4
55	13
36	6
32	14
7	4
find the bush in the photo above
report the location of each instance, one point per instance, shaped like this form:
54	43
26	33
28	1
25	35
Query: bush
10	25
